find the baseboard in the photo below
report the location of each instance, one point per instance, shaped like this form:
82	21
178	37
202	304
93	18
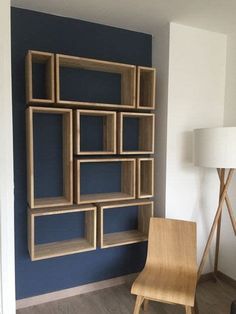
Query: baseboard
218	275
206	277
62	294
226	278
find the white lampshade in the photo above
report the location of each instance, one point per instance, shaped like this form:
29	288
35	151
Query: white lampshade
215	147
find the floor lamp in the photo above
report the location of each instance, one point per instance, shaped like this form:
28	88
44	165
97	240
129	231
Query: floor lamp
216	148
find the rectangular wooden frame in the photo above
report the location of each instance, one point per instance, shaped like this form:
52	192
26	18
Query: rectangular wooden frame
145	177
48	59
146	211
146	132
66	247
128	78
67	197
128	182
146	88
109	132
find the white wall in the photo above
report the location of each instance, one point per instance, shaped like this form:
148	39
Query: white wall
160	59
7	266
197	60
227	258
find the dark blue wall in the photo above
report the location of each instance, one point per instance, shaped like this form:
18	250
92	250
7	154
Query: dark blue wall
36	31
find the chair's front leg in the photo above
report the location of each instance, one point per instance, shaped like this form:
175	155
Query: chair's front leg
138	303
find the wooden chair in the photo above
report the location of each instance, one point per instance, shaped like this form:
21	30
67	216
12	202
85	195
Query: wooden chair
170	273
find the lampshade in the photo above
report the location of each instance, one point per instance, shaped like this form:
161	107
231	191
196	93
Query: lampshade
215	147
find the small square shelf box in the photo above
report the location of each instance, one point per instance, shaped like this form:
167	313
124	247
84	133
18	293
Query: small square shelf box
146	88
145	136
66	247
128	181
128	80
67	123
109	132
39	57
145	212
145	177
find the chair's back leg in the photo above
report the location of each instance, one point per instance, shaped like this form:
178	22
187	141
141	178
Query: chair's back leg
138	303
196	311
189	310
145	305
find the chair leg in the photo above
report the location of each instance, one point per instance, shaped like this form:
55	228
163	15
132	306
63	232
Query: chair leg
145	305
189	310
196	311
138	303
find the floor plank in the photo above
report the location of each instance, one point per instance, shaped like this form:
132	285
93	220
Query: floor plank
213	298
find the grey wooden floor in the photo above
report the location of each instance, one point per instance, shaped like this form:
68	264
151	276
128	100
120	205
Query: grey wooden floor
213	298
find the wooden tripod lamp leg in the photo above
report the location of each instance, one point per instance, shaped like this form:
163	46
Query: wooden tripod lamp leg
222	183
231	213
213	228
230	209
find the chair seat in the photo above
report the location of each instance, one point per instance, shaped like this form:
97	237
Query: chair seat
170	286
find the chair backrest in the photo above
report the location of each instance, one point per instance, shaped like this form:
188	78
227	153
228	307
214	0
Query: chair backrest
172	244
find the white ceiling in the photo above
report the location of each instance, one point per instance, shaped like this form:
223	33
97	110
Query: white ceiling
142	15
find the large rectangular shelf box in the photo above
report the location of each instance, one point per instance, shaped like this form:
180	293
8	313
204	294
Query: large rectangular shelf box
46	60
65	247
95	132
66	155
111	239
145	177
146	88
125	179
127	86
144	132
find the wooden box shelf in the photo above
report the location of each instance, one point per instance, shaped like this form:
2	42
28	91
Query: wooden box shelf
146	129
47	59
109	102
145	212
67	197
66	247
145	177
146	88
127	182
108	132
127	72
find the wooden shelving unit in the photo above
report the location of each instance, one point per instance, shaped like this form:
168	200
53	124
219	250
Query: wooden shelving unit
66	247
145	133
67	197
128	181
47	59
108	136
128	78
145	212
133	184
145	177
146	88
